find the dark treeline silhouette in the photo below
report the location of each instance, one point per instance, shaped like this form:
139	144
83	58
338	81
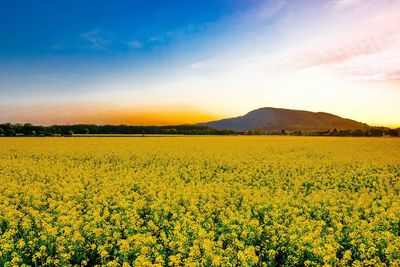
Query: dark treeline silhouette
372	132
27	129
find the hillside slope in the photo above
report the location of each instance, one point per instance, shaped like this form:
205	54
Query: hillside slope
277	119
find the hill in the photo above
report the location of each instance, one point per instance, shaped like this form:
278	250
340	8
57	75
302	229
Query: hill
276	119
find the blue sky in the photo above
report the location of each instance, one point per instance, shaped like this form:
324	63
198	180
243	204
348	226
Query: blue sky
70	37
217	58
90	28
58	47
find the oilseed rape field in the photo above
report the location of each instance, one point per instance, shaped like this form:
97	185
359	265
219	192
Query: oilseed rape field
200	201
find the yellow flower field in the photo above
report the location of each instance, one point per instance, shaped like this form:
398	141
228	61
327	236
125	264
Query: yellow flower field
200	201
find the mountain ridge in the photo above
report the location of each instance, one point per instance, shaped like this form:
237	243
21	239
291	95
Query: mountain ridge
276	119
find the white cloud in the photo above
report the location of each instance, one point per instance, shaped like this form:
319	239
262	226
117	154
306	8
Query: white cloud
95	39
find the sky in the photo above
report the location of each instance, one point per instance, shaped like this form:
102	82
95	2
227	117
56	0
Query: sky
170	62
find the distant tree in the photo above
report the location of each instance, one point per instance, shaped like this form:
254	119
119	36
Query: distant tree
10	132
171	131
85	131
283	132
376	132
18	127
30	133
393	132
5	126
296	133
50	131
69	133
27	128
258	131
344	133
358	133
2	132
229	132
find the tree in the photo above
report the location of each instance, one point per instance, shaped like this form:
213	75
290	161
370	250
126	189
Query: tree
375	132
50	131
86	131
393	132
10	132
30	133
259	131
2	132
358	133
171	131
296	133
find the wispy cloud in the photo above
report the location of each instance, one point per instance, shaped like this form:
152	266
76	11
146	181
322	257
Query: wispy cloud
95	39
155	39
346	51
45	77
366	48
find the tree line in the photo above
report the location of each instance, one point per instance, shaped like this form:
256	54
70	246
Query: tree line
27	129
370	132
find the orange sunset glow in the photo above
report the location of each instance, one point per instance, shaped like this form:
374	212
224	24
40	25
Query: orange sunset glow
88	114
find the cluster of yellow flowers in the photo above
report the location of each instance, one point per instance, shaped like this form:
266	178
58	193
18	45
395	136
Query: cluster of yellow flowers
214	201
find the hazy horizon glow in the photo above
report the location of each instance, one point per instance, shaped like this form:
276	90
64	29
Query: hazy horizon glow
184	62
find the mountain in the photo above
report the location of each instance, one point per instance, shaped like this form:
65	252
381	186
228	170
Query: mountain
276	119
